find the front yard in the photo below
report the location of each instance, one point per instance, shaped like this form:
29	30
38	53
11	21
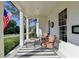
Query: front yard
10	43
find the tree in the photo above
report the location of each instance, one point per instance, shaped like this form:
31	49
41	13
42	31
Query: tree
12	23
11	27
24	28
17	29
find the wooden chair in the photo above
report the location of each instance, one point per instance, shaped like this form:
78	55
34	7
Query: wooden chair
49	42
44	39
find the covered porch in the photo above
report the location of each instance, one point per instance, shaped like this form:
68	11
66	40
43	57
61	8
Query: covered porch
49	15
26	47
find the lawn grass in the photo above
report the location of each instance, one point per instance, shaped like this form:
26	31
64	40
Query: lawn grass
10	43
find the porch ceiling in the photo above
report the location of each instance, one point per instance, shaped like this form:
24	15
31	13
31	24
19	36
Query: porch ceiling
37	8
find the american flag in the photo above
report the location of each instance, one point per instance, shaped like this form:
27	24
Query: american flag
6	18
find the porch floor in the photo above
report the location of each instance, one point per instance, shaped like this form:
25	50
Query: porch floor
31	51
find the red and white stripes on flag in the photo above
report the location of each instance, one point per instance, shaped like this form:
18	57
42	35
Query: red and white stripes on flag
6	18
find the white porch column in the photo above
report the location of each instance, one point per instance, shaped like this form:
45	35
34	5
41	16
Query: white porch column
21	29
1	30
37	27
27	28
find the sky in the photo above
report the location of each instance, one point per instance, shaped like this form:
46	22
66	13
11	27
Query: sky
32	22
17	19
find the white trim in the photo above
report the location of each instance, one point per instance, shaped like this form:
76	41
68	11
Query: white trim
37	27
27	28
21	29
1	30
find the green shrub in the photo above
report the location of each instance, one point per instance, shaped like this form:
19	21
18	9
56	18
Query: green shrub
10	43
33	35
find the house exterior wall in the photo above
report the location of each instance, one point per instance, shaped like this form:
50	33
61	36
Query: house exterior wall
69	49
43	23
1	31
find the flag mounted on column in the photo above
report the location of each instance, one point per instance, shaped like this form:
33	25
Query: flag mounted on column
6	18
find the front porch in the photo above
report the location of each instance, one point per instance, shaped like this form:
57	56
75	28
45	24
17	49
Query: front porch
63	16
31	51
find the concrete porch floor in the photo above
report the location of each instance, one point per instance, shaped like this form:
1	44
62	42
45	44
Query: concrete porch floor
31	51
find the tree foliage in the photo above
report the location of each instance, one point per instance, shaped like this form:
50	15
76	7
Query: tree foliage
12	28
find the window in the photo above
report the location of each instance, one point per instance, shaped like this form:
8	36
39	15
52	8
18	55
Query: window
63	25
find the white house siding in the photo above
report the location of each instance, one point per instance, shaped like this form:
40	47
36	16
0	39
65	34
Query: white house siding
43	23
68	49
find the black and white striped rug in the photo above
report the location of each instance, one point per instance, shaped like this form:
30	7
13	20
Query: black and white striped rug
25	52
